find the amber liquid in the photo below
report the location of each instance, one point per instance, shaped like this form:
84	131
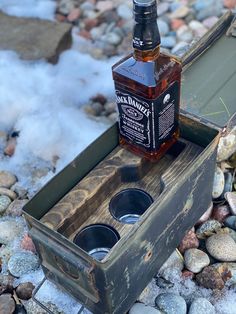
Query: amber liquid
148	74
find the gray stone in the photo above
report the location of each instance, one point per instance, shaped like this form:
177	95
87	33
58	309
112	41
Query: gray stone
11	194
24	290
168	41
230	222
208	228
196	260
33	308
5	201
201	306
231	198
7	304
22	263
34	39
171	303
9	230
163	27
175	261
65	6
184	34
162	7
15	208
112	38
7	179
124	11
222	247
140	308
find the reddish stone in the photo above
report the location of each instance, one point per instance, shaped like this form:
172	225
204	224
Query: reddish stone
60	17
230	4
190	241
177	23
210	278
85	34
90	23
186	274
74	15
105	5
27	244
220	213
11	146
99	98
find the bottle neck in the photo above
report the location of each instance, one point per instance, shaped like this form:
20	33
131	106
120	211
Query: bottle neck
146	55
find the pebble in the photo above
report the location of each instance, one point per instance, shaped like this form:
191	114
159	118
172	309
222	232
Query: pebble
140	308
180	48
10	147
112	38
65	6
162	8
163	27
163	283
7	304
220	213
206	215
105	5
74	15
208	228
27	244
124	12
231	199
9	193
175	261
5	201
222	247
6	283
97	32
168	41
9	230
7	179
180	12
227	271
171	303
22	263
218	183
230	222
189	241
226	147
210	278
15	208
24	290
210	21
33	308
184	34
230	4
201	306
196	260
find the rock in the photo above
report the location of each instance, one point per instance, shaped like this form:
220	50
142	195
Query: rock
209	278
171	303
196	260
65	6
33	308
21	34
180	12
176	24
9	193
175	261
180	49
19	190
105	5
208	8
87	6
230	4
222	247
6	252
162	8
7	179
163	283
110	107
189	241
226	147
90	23
230	222
74	15
7	304
186	274
206	215
140	308
27	244
6	283
9	230
163	27
24	290
22	263
218	183
168	41
15	208
113	117
227	272
112	38
208	228
5	201
10	147
210	21
124	11
97	32
184	34
220	213
231	199
201	306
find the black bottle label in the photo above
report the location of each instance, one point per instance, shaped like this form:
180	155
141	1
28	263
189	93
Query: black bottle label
148	123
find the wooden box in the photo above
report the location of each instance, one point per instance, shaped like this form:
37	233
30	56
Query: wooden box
180	185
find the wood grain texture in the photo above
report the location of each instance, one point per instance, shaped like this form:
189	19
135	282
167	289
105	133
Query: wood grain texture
88	202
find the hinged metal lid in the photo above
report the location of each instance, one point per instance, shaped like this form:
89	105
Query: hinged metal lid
209	78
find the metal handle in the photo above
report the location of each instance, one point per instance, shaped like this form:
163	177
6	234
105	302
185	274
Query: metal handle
81	310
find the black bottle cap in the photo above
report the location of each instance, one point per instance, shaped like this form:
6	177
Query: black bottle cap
145	10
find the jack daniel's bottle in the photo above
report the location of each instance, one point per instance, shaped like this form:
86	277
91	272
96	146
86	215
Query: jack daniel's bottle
147	84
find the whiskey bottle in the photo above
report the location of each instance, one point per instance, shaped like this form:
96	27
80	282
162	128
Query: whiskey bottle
147	84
